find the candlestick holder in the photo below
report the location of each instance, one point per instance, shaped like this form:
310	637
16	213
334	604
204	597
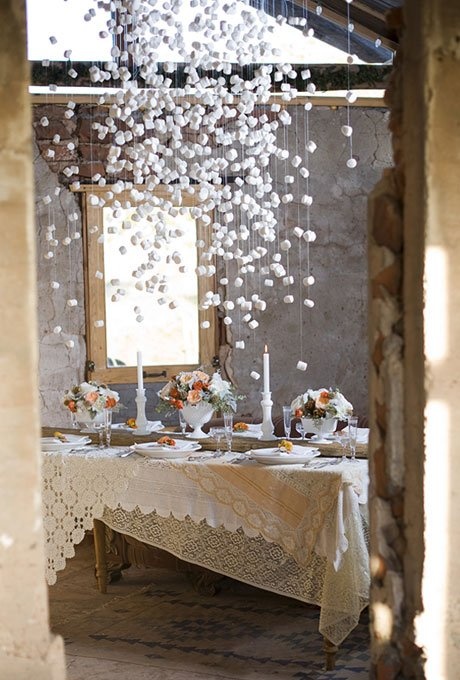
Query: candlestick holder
267	423
141	420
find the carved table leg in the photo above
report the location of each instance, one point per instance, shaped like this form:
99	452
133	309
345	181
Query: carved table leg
99	550
330	651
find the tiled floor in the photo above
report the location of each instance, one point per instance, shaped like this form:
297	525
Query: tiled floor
153	625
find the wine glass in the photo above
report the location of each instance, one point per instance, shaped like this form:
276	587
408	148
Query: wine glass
287	417
182	422
217	433
228	426
300	429
353	436
342	438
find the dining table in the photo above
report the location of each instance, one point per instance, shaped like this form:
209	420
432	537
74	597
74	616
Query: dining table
299	529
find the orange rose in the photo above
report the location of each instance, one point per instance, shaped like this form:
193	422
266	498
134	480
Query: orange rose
298	413
167	441
71	405
177	403
193	397
323	400
174	393
198	385
110	402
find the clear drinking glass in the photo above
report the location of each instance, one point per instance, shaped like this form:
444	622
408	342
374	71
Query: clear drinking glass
228	426
104	428
218	434
182	421
287	418
353	436
342	438
300	429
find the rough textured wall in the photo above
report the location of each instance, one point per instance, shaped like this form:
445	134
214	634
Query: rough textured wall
27	648
334	332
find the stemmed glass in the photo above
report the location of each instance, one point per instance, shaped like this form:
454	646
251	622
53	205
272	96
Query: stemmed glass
182	422
343	439
218	433
353	436
287	417
300	429
228	426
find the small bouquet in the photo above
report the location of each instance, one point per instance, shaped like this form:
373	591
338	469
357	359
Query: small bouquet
90	399
195	387
321	403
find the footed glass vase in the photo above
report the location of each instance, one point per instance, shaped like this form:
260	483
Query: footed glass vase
196	415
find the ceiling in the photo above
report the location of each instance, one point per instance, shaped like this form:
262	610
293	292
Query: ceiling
367	16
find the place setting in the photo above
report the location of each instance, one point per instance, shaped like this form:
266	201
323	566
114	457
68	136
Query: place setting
165	448
64	443
284	455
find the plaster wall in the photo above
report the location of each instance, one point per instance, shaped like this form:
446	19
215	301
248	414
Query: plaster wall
27	648
334	332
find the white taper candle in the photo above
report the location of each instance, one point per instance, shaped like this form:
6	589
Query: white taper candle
266	370
140	377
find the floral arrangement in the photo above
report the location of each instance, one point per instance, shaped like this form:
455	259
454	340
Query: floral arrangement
322	403
90	398
194	387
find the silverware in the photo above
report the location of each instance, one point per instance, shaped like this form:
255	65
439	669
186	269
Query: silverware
125	454
322	464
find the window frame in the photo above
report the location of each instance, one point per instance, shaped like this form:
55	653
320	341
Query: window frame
95	308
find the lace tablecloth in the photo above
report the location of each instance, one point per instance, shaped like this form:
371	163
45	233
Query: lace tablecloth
288	529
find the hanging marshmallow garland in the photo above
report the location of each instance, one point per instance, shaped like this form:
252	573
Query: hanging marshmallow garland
189	139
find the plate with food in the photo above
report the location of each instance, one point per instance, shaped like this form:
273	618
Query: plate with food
63	442
251	430
130	425
286	453
166	447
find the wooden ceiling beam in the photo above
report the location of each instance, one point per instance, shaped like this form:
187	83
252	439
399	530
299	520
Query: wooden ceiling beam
367	25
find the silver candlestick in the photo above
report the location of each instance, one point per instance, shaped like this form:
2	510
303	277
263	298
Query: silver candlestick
141	420
267	424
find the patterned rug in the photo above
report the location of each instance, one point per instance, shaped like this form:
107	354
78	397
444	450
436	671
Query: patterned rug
152	624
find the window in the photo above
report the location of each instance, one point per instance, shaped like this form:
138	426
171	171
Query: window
129	304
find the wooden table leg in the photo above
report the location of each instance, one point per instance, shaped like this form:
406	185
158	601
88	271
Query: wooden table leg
99	550
330	650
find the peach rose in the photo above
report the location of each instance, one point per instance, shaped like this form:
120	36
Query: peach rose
322	400
91	397
200	375
72	406
194	397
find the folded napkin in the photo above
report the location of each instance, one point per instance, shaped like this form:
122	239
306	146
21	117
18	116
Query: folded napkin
363	434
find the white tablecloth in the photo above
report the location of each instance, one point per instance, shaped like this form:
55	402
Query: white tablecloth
309	518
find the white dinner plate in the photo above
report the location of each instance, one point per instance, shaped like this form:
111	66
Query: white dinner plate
273	456
155	450
152	426
73	442
253	431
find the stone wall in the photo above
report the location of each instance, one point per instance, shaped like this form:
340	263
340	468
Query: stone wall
334	332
